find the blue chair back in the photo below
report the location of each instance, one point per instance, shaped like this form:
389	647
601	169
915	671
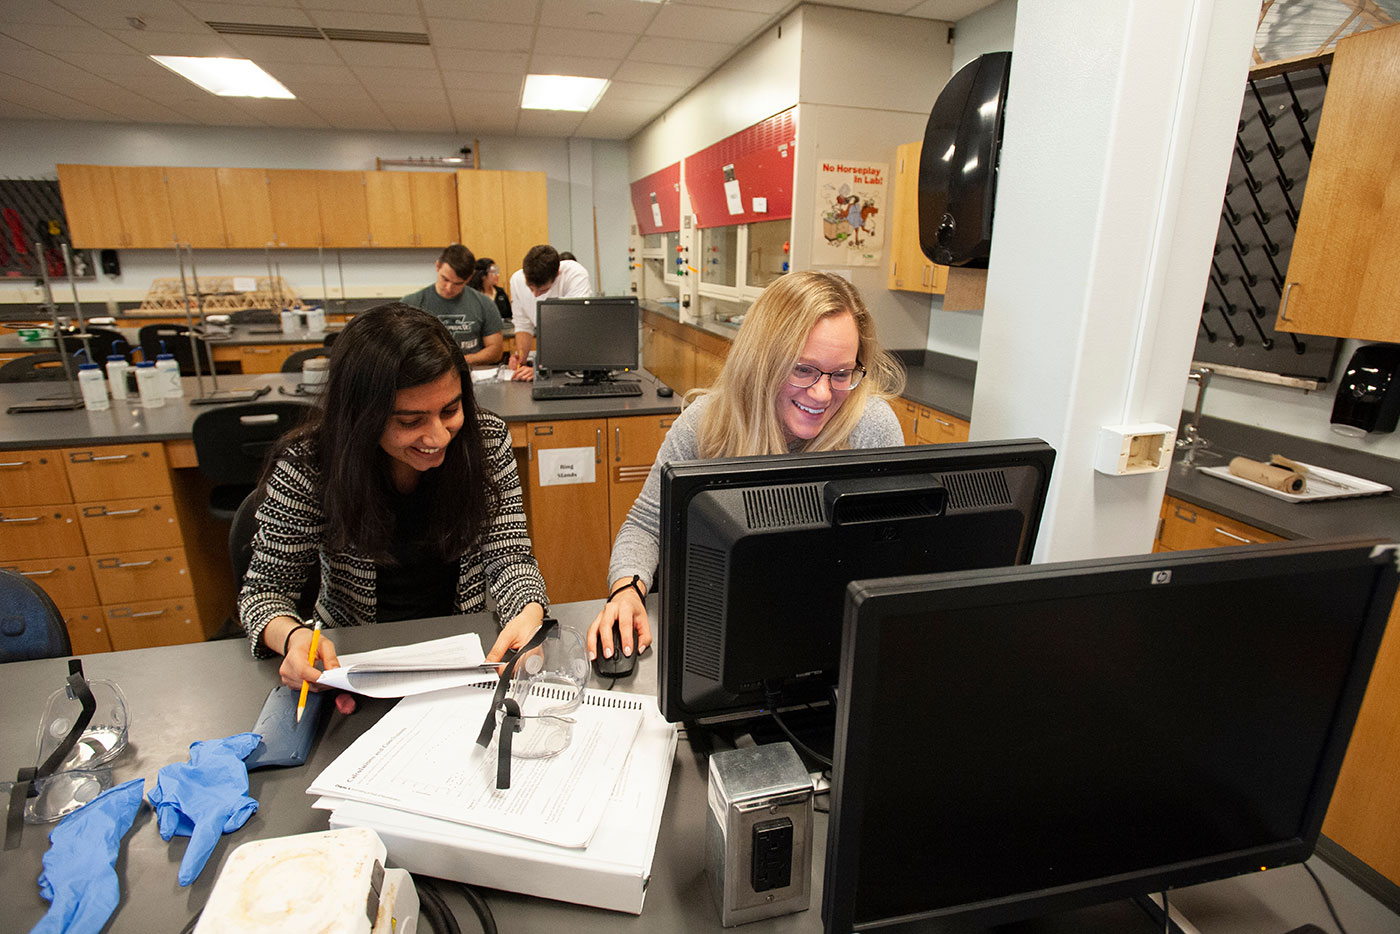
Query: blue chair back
30	624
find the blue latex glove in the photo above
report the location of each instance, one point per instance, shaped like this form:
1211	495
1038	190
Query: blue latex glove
80	876
205	797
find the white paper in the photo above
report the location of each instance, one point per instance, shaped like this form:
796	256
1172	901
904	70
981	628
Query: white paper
760	205
732	199
422	758
562	466
402	670
655	211
245	284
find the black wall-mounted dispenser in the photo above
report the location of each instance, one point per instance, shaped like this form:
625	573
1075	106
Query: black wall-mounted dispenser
1368	393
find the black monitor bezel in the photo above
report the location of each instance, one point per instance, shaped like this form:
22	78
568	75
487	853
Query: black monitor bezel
547	306
870	603
682	481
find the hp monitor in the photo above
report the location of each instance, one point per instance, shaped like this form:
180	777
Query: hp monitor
1021	741
756	553
589	336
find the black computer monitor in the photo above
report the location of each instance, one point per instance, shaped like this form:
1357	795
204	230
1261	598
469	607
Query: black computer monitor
756	553
1016	742
588	336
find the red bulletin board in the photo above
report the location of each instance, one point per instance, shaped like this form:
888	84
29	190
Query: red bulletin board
666	186
762	157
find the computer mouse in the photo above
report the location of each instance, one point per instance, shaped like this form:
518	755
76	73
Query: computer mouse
619	666
665	392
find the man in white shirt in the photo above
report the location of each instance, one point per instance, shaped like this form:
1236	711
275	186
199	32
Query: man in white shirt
542	275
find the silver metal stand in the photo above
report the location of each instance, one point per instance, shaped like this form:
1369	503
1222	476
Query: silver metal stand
1191	436
74	399
215	394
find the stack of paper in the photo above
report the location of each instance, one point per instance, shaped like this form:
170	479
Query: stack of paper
579	827
401	670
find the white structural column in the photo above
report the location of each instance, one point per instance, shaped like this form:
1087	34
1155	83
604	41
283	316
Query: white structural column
1120	122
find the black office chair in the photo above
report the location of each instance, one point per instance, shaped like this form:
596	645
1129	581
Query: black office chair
36	367
330	338
30	624
100	343
294	360
175	340
240	552
231	442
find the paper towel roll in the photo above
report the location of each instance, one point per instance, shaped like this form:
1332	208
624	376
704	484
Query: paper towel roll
1278	478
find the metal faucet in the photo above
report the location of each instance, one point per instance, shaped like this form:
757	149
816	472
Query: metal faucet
1191	436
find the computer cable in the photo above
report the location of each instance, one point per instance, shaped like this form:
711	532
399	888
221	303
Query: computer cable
1326	900
792	737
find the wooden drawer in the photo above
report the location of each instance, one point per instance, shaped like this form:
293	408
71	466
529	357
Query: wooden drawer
935	427
116	471
30	478
129	523
39	532
87	630
67	581
908	414
1186	526
149	623
268	358
141	575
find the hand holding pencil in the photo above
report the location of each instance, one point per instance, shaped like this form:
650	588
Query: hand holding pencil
310	660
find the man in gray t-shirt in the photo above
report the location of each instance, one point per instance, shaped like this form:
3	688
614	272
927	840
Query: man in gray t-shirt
472	318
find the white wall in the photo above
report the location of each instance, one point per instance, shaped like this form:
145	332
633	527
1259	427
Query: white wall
579	173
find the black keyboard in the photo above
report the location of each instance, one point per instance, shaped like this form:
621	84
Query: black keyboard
621	387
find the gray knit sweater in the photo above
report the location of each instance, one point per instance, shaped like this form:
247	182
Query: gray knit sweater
638	546
288	543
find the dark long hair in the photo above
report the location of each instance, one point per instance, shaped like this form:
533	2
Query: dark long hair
388	348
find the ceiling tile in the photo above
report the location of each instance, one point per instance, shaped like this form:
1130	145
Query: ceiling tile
668	51
247	13
571	65
504	11
487	37
38	11
664	75
484	101
713	24
309	71
489	121
114	66
131	107
477	60
638	111
264	49
80	38
24	62
475	81
406	123
350	115
396	7
619	16
158	15
552	41
348	19
411	78
631	91
385	54
769	7
394	97
180	43
947	10
323	94
13	111
280	113
596	127
547	123
60	105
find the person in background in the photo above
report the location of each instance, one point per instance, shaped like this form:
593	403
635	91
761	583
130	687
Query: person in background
567	255
542	274
471	317
486	279
805	373
400	490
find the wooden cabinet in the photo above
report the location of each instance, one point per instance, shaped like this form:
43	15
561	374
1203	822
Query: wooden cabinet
196	212
247	208
481	218
909	269
296	210
412	209
527	217
1185	526
97	528
116	206
632	446
344	211
1341	279
935	427
908	414
435	210
681	356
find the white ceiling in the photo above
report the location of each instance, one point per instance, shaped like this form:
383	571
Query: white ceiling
87	59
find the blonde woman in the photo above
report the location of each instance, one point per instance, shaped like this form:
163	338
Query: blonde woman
805	373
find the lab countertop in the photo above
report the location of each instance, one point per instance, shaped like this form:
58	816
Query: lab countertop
1365	515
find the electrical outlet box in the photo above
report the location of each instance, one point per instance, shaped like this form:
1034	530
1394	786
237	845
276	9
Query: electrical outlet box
1130	449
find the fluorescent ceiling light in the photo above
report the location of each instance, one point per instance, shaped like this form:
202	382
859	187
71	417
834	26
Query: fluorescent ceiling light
226	77
562	92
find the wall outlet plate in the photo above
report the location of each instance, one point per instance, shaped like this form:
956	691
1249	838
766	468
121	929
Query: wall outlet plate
1131	449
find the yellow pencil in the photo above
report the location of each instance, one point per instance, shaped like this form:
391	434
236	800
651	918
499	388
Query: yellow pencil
310	660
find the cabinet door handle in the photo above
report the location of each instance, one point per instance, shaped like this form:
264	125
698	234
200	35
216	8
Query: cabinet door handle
14	464
110	457
123	512
133	564
1184	516
39	573
617	441
943	423
1283	312
147	613
22	519
598	446
1238	538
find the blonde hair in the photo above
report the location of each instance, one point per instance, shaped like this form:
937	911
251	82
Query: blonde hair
742	418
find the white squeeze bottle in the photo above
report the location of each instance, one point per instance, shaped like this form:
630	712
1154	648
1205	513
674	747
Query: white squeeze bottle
117	368
94	387
168	375
146	385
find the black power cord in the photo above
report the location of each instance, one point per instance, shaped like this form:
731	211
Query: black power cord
1326	899
435	910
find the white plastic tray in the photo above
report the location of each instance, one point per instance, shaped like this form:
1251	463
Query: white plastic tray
1322	484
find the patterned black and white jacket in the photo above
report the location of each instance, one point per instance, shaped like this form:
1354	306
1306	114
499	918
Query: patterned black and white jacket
288	543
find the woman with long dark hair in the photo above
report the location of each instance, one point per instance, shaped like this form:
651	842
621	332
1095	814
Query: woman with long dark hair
486	279
401	490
